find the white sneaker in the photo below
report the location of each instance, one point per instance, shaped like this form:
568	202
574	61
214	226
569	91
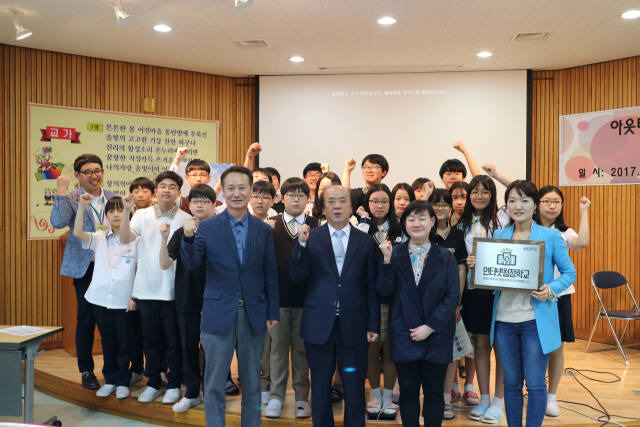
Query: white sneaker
135	378
265	395
552	408
105	390
122	392
149	395
273	409
302	409
172	395
185	403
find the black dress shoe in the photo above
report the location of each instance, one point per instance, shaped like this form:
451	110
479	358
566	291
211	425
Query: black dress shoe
90	381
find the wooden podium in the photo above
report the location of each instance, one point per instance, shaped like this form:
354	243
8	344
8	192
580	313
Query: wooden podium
69	312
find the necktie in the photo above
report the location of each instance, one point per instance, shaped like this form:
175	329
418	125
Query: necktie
291	226
338	247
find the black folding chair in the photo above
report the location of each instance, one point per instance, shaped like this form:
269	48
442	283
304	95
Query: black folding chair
611	280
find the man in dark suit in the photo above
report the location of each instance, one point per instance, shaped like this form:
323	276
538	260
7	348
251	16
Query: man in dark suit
341	310
240	297
78	262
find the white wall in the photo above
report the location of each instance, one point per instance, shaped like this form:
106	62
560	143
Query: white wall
412	119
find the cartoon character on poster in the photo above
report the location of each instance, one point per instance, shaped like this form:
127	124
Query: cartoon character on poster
48	197
46	168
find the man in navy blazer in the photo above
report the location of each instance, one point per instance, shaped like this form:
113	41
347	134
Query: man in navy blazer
240	297
341	311
78	262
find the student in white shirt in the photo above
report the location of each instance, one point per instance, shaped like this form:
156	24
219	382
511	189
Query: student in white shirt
550	214
154	287
110	292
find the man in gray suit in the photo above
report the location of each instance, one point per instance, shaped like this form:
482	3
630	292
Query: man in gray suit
78	262
240	296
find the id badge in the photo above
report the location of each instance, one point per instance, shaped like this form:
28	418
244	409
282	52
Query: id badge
102	227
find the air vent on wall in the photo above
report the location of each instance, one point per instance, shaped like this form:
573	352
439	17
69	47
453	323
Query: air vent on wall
251	44
530	37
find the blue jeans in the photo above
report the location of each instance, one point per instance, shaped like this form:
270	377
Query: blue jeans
522	359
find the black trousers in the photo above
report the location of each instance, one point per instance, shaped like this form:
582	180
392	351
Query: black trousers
412	375
189	327
134	323
112	324
161	342
352	365
86	323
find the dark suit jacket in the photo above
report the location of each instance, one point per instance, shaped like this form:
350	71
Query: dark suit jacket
433	303
355	287
255	277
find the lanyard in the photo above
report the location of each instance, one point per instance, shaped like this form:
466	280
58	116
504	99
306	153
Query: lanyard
100	214
475	234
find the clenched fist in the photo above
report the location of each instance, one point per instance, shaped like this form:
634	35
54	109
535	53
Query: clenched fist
350	164
254	149
63	185
128	202
303	233
362	212
459	145
85	200
189	226
585	204
386	249
164	230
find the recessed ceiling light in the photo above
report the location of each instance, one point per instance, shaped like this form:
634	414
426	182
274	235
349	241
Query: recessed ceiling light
162	28
631	14
484	54
296	59
386	20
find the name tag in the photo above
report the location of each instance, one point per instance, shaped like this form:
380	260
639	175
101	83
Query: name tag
102	227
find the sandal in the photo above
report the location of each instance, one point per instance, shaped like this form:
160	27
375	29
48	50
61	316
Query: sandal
492	415
449	413
477	412
471	398
390	409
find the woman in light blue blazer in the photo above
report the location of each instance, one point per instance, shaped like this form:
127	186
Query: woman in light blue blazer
525	325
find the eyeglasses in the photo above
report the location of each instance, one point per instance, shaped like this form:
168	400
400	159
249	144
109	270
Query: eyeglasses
313	175
371	168
198	175
295	196
483	193
201	202
551	202
88	173
379	202
441	207
171	187
264	198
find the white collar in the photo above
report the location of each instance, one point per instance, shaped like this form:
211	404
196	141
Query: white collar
346	229
299	219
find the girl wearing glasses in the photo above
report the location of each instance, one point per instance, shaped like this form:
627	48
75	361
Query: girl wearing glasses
550	214
378	219
481	218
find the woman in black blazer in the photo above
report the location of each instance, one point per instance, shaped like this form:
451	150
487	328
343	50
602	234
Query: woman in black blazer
422	280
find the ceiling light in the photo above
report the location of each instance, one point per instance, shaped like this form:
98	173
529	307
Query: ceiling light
162	28
386	20
484	54
122	17
242	4
631	14
296	59
21	32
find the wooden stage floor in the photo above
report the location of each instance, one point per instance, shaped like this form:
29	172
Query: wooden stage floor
57	375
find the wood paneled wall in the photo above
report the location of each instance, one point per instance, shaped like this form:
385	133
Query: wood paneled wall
29	277
614	214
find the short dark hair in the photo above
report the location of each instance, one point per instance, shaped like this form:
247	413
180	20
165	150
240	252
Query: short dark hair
83	159
314	166
453	165
202	191
169	175
295	184
197	165
114	204
524	188
274	172
459	184
265	171
142	182
263	187
417	206
419	182
376	159
237	169
440	195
